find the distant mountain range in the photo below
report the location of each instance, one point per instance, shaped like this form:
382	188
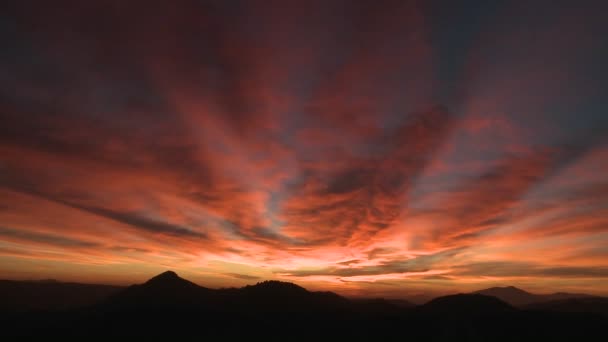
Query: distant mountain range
170	305
466	304
519	297
169	287
21	296
589	304
169	290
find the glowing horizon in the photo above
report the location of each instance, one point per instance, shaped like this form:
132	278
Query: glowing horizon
363	149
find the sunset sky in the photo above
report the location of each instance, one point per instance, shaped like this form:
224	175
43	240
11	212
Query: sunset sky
364	147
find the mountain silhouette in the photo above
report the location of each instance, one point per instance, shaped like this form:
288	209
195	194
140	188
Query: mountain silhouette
169	306
169	290
169	280
469	304
509	294
519	297
275	288
23	296
276	296
381	305
165	289
588	304
420	299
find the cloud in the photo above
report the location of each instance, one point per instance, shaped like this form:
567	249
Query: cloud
499	196
242	276
42	238
438	277
526	269
416	264
130	218
144	223
362	195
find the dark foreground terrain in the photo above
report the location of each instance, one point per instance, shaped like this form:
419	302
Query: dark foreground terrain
170	306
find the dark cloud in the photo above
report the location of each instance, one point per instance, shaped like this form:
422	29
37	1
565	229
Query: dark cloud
484	202
143	223
372	190
438	277
132	219
129	249
379	252
580	272
596	192
269	234
348	262
242	276
258	234
50	239
421	263
527	269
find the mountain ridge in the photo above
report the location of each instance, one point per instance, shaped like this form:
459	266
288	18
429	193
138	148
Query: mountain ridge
168	305
467	304
518	297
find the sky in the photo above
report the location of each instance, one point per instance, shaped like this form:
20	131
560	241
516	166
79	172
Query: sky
384	148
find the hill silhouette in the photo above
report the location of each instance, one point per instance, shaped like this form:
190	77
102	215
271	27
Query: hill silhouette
169	290
170	306
168	278
23	296
165	289
275	285
509	294
519	297
589	304
466	304
284	296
